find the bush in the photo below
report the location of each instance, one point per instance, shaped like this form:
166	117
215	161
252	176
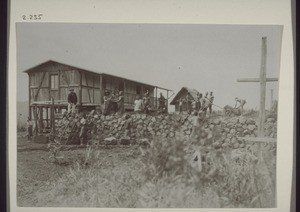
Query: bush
169	173
236	178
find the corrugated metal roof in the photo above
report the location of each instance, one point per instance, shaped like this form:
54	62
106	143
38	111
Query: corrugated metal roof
52	61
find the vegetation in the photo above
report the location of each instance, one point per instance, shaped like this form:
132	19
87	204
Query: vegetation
166	173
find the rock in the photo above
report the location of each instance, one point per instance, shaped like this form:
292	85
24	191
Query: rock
188	132
242	120
217	121
234	140
251	127
229	136
242	145
110	141
225	145
250	122
144	142
236	145
232	131
204	134
125	141
230	125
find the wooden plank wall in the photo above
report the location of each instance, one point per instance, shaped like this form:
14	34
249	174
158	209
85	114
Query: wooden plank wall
90	88
35	79
86	85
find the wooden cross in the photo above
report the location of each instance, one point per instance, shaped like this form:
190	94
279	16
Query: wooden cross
263	81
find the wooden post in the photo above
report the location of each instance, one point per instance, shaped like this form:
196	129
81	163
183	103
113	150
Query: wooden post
47	116
124	95
35	120
59	90
30	115
263	80
271	99
167	101
52	116
269	79
156	97
29	95
101	90
80	90
263	87
41	119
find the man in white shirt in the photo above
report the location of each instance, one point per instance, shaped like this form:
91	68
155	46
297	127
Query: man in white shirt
138	104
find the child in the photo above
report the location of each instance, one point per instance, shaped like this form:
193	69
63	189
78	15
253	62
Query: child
83	129
128	126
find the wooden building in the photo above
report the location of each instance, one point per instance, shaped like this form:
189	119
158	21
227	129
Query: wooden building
52	80
187	95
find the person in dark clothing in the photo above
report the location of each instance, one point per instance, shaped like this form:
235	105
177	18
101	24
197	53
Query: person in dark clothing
83	130
72	101
180	104
146	102
29	129
188	101
128	125
106	99
120	102
161	103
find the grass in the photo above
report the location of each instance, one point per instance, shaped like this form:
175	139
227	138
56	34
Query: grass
163	174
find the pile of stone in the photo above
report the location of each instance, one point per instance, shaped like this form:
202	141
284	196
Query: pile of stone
271	128
142	126
231	132
226	132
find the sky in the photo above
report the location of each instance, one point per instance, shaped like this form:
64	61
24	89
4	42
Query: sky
203	57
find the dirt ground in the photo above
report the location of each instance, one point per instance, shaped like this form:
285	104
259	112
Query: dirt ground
32	157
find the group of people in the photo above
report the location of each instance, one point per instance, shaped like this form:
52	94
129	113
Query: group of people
143	105
198	104
113	102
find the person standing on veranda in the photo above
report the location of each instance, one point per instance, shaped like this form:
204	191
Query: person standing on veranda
72	101
120	102
138	104
106	99
146	102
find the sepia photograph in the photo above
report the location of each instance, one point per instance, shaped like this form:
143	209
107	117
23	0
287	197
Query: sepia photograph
147	115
